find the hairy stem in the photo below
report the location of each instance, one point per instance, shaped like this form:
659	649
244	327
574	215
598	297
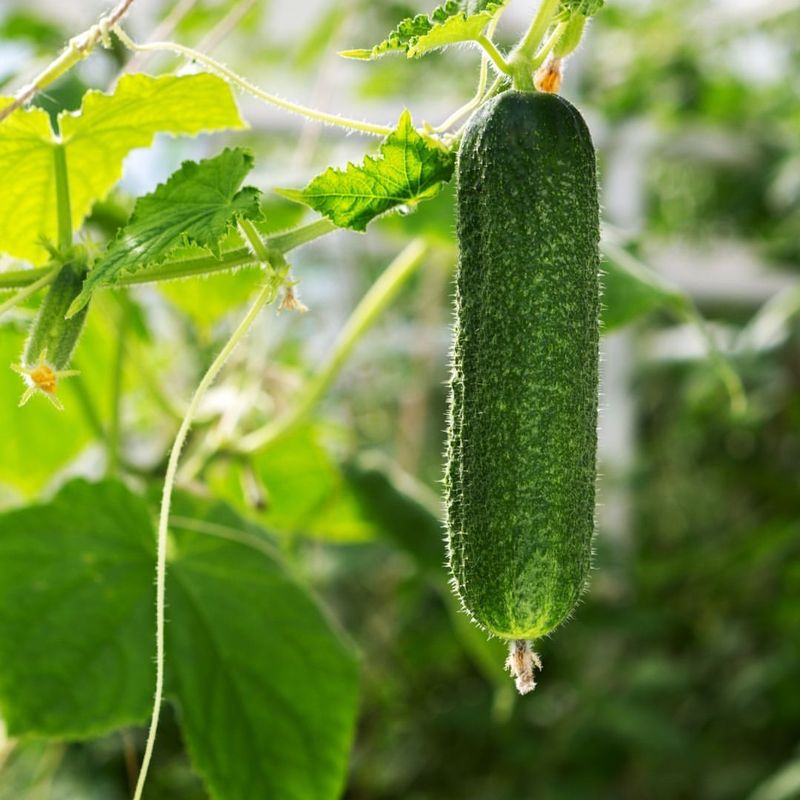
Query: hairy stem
185	267
524	54
251	88
45	277
266	295
76	50
374	302
494	54
63	204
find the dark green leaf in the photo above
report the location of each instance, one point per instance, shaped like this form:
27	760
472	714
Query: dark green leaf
76	618
267	688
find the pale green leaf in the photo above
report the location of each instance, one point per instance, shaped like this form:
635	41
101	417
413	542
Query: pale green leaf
631	290
97	138
76	627
296	488
198	205
266	687
454	21
409	168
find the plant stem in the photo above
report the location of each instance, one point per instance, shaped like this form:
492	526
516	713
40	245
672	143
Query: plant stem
63	205
76	50
251	88
374	302
494	54
266	295
529	44
722	365
47	274
187	267
548	45
472	103
524	53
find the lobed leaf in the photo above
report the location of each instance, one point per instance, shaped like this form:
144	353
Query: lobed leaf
454	21
409	168
96	140
198	205
266	685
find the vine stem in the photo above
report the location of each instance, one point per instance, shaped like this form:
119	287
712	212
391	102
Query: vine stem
529	44
185	267
46	277
479	92
524	53
76	50
267	294
244	84
63	204
548	45
374	302
494	54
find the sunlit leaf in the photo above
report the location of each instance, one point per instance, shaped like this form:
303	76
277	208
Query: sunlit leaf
454	21
96	140
409	168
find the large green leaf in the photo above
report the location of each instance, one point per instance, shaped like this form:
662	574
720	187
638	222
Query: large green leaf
76	628
410	168
267	689
96	140
266	686
452	22
198	205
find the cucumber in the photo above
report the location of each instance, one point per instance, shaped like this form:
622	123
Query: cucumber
522	428
51	333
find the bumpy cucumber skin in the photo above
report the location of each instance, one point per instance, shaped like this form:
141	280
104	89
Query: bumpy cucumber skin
522	439
51	332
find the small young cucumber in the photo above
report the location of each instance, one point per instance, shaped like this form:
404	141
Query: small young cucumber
522	439
53	336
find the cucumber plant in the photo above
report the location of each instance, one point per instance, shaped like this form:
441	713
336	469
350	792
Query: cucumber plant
521	445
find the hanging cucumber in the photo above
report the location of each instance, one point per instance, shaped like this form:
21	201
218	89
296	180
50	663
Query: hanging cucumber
522	439
53	337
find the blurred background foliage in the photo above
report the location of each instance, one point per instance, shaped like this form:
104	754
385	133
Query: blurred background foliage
678	676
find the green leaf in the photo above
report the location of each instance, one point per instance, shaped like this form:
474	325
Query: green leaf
198	205
586	8
301	488
96	139
76	627
266	687
409	168
454	21
631	290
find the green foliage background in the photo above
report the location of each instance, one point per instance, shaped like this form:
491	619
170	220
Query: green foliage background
678	676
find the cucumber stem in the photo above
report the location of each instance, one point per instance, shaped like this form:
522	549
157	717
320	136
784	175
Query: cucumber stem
521	662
